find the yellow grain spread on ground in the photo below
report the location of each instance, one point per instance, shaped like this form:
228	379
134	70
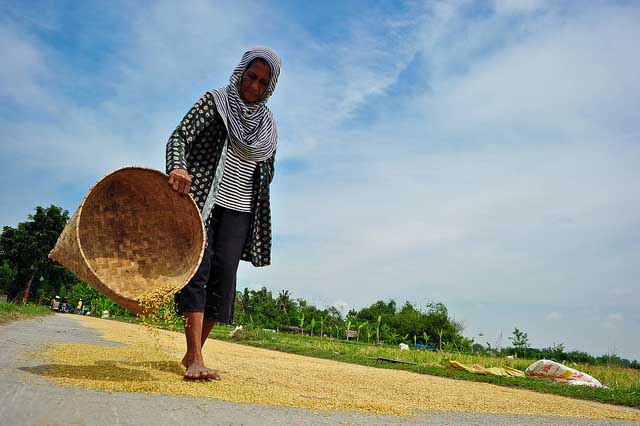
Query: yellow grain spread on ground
151	363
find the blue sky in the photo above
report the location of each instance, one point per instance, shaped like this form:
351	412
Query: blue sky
480	154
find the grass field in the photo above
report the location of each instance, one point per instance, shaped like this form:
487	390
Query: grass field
624	383
13	311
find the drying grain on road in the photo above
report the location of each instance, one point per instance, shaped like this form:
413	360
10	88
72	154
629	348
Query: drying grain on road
149	362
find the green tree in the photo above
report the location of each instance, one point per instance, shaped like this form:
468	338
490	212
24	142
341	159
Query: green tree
7	276
26	248
520	341
243	301
386	333
478	348
440	333
284	301
338	328
352	314
322	319
85	292
379	308
408	320
557	350
334	313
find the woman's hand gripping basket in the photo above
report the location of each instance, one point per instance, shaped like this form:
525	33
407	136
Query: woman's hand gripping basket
134	239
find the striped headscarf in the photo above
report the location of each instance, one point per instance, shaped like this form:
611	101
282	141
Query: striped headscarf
251	127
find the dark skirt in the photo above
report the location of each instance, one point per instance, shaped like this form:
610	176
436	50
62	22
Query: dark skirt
212	289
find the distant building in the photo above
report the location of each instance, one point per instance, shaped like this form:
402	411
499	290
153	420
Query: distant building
351	333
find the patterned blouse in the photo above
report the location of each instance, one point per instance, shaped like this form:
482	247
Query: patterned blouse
199	145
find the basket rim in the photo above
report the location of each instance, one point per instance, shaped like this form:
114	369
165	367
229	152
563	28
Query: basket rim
86	197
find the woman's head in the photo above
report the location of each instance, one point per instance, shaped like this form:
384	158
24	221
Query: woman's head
255	77
255	80
251	127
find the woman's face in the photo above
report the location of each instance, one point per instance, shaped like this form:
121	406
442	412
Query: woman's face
255	81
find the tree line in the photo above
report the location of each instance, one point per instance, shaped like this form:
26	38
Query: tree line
27	274
380	322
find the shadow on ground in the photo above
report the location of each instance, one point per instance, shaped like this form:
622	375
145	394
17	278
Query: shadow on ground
112	371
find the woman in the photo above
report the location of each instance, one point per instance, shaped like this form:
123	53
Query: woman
223	153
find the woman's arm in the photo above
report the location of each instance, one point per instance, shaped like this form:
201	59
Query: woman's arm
270	168
196	120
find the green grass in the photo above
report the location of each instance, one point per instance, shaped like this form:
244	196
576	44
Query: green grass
624	383
16	311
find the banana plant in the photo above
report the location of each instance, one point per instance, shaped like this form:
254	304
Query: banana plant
360	326
312	327
302	324
322	327
385	332
346	332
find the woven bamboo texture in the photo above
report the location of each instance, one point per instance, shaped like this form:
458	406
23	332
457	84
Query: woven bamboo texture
133	239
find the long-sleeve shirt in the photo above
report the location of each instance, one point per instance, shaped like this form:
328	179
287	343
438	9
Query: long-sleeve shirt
199	145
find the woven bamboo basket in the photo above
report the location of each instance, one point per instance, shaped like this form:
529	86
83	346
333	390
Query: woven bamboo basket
134	239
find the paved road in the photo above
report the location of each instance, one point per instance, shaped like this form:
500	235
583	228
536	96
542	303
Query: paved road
27	399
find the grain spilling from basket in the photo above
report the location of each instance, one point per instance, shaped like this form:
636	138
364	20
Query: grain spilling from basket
133	239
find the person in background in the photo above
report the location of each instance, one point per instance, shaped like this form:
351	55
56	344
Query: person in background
223	154
55	303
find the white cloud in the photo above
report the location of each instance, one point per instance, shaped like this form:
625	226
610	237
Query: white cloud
517	6
17	75
616	317
556	84
620	292
341	306
554	316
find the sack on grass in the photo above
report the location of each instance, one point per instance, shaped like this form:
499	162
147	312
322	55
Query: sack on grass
561	373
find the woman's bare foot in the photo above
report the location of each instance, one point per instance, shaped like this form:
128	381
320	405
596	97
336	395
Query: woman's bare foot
196	370
185	361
